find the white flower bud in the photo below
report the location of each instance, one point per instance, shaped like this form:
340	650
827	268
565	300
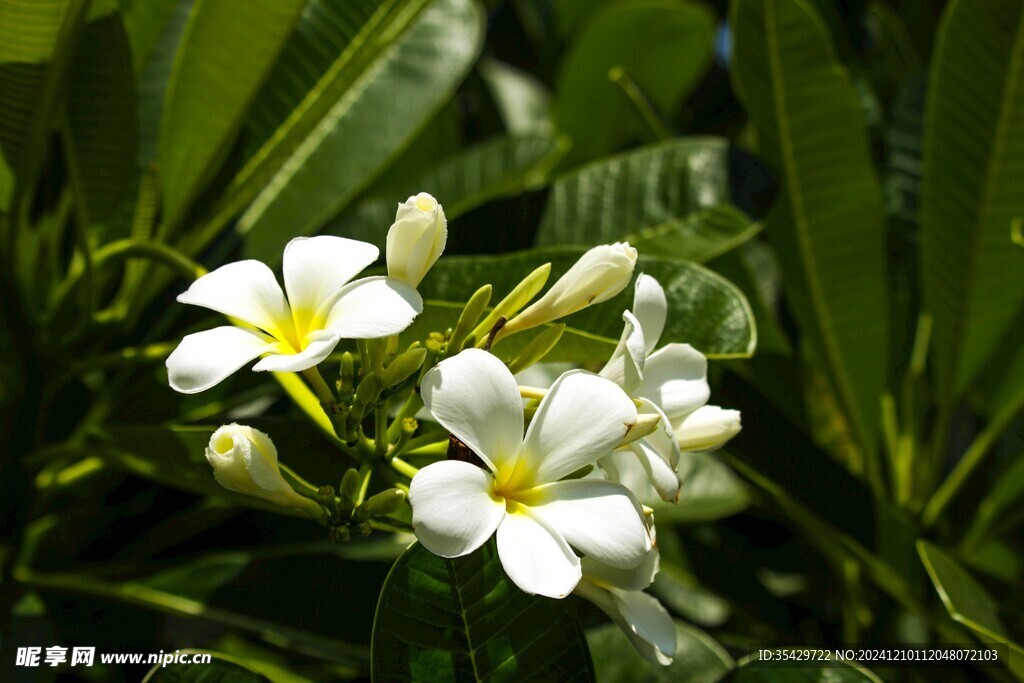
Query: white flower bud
707	428
416	238
597	276
244	460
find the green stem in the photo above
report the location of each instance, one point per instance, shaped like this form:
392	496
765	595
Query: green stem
380	429
133	354
412	404
640	102
327	401
403	468
301	486
365	472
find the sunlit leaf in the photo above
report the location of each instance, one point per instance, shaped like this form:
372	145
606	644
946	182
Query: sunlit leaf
973	186
828	223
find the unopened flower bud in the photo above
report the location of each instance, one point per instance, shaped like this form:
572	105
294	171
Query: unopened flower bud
597	276
402	367
385	502
244	460
416	238
707	428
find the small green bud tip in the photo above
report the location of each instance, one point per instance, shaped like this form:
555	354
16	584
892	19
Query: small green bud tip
410	425
385	502
326	493
340	534
350	484
364	528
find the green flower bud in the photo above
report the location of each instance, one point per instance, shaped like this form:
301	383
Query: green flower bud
385	502
403	367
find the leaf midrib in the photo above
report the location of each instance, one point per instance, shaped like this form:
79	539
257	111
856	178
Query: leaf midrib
462	616
800	223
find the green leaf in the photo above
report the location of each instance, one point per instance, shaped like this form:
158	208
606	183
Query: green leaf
973	186
681	592
28	30
748	672
698	659
103	119
502	166
649	189
967	602
145	21
211	88
664	46
828	223
523	102
389	83
710	491
700	236
462	620
220	669
706	310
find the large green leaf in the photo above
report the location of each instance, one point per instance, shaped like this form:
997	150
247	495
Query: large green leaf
664	46
144	22
968	603
698	659
1003	504
103	119
828	222
502	166
222	60
648	189
973	186
704	309
368	106
462	620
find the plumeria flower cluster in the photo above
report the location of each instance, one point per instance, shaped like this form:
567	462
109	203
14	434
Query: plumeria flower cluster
555	476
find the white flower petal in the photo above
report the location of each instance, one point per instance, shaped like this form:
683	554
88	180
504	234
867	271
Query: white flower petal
535	557
206	358
650	308
661	476
662	439
707	428
635	579
675	378
647	625
453	511
580	419
600	518
626	365
474	396
245	290
624	467
318	346
372	307
315	267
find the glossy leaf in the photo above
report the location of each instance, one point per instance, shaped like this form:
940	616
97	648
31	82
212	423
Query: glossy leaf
463	620
663	46
503	166
828	223
973	186
363	112
222	60
648	193
698	659
967	602
707	311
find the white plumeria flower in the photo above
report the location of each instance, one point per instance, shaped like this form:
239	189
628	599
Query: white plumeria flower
598	275
457	506
244	460
671	382
619	594
296	333
416	238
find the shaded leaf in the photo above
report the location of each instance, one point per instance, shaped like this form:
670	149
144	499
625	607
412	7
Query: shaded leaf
663	46
967	602
698	659
828	224
103	118
749	671
710	491
973	186
220	669
463	620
